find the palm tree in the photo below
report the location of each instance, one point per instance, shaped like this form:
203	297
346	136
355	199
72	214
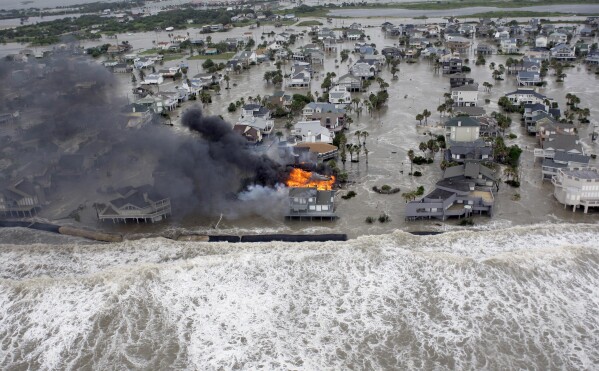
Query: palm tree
365	135
351	150
358	149
227	79
142	74
357	134
411	156
342	147
426	113
279	135
423	147
366	153
441	109
419	117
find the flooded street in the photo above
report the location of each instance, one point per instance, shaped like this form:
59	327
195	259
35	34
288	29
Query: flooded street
393	131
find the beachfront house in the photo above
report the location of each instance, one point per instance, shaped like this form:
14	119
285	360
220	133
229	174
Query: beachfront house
465	95
310	204
141	204
464	190
577	186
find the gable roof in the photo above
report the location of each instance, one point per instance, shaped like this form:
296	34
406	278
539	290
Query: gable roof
462	121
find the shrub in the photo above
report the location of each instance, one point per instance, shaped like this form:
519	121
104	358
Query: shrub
419	160
384	218
349	195
386	190
369	220
232	107
342	177
417	173
420	191
513	183
466	69
512	136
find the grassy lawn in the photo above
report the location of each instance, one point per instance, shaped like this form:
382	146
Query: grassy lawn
225	56
512	14
173	57
441	5
309	23
149	51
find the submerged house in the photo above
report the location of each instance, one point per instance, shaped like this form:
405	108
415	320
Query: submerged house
311	203
464	190
135	205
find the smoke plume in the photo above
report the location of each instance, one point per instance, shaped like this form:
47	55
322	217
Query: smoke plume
68	118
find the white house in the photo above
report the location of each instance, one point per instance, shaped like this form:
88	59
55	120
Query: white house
364	69
558	38
299	80
339	96
509	46
541	41
312	132
563	52
143	63
462	129
526	96
263	124
465	95
577	186
153	79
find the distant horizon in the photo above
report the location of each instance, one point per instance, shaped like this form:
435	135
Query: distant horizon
19	4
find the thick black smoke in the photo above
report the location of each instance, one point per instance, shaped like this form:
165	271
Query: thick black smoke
69	119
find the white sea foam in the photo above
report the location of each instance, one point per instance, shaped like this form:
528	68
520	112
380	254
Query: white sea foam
521	297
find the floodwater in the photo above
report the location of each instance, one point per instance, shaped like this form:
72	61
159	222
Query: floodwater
393	131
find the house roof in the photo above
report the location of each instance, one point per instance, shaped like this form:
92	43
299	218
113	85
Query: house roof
526	75
535	107
303	127
318	147
462	121
562	142
324	107
588	173
571	157
470	111
467	87
302	192
526	91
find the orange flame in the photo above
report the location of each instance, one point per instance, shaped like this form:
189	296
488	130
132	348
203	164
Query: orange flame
306	179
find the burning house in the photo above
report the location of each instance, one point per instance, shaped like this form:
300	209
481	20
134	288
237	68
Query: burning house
311	196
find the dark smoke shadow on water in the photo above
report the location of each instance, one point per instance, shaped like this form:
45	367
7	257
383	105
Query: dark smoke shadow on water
73	122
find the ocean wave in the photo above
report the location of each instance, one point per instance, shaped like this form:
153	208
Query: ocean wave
521	297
